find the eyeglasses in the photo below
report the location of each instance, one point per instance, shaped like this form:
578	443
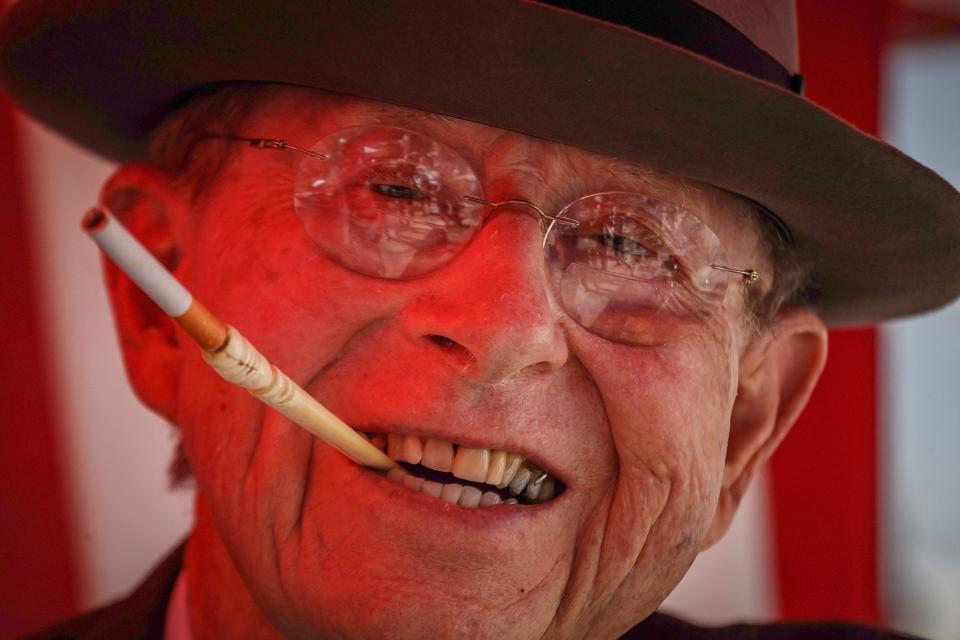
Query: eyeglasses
396	204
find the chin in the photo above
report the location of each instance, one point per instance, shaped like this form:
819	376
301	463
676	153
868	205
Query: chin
373	559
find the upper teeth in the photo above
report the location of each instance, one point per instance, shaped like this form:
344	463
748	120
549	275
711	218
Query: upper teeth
489	466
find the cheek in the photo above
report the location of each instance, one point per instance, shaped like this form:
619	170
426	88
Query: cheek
217	421
667	403
265	276
668	412
259	272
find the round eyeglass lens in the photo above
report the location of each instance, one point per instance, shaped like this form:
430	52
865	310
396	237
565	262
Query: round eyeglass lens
635	269
387	202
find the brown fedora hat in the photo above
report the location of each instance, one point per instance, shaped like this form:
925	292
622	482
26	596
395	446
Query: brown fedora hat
706	90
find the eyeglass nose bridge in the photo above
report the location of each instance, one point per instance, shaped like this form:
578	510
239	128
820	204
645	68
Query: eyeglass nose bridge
542	215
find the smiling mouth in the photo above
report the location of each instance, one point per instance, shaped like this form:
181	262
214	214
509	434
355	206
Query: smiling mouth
465	476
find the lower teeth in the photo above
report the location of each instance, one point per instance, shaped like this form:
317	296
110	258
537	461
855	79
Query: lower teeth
464	496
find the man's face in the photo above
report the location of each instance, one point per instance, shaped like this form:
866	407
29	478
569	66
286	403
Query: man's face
477	353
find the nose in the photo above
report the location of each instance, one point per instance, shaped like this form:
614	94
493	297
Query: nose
489	311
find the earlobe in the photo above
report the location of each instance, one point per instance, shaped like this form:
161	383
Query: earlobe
778	372
145	201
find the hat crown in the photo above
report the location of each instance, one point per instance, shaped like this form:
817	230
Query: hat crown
770	24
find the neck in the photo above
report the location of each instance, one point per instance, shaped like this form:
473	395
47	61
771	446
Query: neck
220	604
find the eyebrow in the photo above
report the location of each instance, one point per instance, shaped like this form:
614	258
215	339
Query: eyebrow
407	118
639	173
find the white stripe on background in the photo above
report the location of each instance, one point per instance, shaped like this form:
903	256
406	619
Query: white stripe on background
920	381
116	455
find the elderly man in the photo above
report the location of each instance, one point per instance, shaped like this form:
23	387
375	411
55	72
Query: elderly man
569	262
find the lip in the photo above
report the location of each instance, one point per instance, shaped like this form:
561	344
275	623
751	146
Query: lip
471	442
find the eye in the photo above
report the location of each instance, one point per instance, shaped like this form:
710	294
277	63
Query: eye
625	239
622	245
396	191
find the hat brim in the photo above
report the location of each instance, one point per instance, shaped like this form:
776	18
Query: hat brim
882	231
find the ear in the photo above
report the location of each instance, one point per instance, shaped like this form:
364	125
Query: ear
144	199
778	372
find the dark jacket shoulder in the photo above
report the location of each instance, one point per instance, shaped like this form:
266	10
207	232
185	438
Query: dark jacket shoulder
141	615
660	625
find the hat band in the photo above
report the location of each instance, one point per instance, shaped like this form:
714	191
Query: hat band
686	24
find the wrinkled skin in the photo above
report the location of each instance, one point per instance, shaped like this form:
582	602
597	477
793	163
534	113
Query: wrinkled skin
655	444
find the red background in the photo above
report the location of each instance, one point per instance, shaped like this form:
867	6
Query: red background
825	477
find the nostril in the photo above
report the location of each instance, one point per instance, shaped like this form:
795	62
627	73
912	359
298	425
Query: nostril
442	341
458	353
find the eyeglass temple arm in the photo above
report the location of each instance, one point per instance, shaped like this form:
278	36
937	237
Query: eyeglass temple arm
273	143
749	275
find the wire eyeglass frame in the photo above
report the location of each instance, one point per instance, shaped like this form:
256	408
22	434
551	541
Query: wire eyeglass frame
748	275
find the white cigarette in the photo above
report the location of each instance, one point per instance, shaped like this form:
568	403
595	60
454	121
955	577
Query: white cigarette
224	348
138	263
